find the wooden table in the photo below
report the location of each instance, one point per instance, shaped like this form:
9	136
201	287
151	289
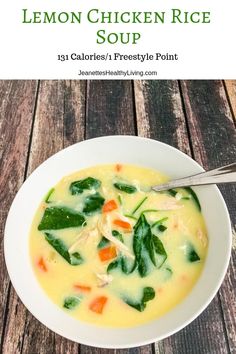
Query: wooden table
39	118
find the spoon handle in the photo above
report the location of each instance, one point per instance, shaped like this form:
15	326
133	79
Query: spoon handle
225	174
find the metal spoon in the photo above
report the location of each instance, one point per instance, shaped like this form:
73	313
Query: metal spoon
225	174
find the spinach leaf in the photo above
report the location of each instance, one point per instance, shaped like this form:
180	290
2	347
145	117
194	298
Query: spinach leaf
121	263
160	251
125	187
56	218
50	192
103	243
93	203
172	192
143	266
126	265
113	265
141	229
148	294
194	196
73	259
78	187
71	302
192	255
117	235
145	245
143	242
161	228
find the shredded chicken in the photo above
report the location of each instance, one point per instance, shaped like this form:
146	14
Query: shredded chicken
82	238
104	227
202	237
179	225
104	190
169	204
103	279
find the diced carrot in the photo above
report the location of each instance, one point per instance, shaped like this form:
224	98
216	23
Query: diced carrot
42	265
98	304
123	224
109	206
82	288
107	253
118	167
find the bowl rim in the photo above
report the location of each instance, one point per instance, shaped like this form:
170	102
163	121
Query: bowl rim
154	338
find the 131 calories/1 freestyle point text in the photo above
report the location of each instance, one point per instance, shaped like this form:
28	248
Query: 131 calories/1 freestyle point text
141	57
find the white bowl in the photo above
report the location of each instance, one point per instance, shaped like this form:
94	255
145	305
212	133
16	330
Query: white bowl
112	149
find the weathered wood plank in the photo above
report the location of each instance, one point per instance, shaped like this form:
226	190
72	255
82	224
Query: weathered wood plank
17	103
110	110
214	137
159	113
59	121
159	105
230	86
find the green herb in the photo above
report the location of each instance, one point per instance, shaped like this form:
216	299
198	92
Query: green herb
78	187
120	199
71	302
103	243
50	192
149	211
125	187
93	203
73	259
131	217
117	235
192	255
161	228
148	294
160	251
168	273
139	205
172	192
56	218
159	222
186	198
194	195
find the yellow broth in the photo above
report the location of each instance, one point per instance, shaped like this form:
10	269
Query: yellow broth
183	231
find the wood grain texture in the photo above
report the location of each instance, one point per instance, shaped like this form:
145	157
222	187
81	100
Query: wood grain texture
213	135
164	114
160	113
110	110
17	103
230	86
53	129
36	121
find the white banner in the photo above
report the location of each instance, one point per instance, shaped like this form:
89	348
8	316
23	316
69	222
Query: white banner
123	39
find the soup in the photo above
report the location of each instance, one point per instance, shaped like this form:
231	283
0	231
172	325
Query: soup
102	244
